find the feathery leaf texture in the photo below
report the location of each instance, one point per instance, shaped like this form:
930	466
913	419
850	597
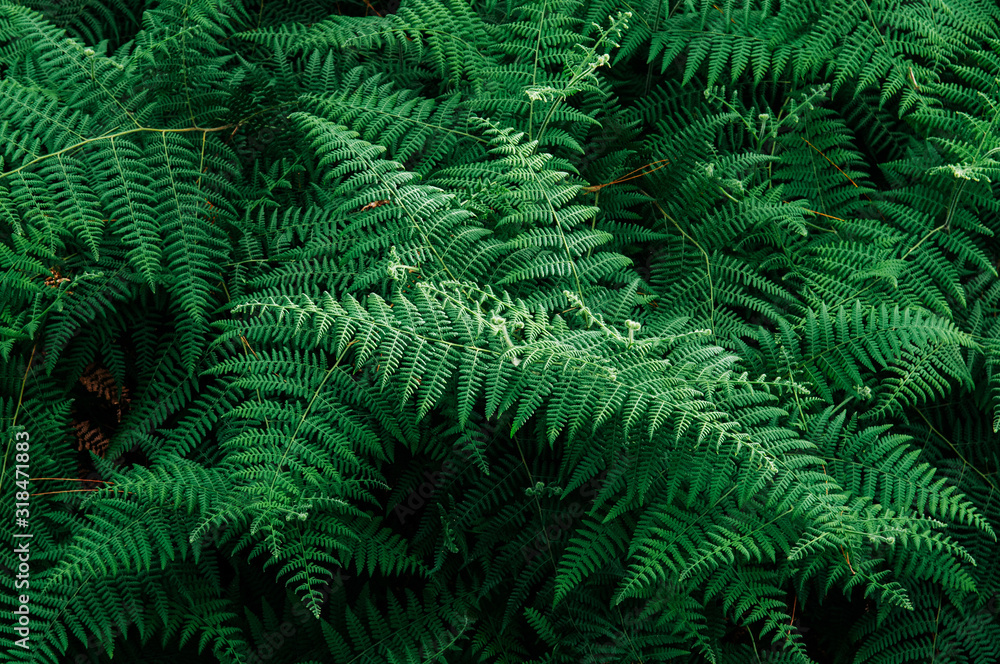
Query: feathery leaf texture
563	331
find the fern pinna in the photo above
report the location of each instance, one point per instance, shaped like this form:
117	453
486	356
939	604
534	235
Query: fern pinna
538	331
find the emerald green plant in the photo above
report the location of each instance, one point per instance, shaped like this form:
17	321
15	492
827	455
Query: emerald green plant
680	320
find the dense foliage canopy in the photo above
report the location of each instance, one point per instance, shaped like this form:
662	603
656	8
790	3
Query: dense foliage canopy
562	331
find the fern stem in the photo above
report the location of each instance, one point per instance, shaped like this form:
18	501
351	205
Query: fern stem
829	160
921	241
305	414
20	396
17	409
112	136
708	265
954	449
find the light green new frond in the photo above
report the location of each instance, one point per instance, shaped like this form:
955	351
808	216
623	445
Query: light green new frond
425	223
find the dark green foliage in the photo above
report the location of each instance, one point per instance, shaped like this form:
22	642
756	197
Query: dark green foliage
563	331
